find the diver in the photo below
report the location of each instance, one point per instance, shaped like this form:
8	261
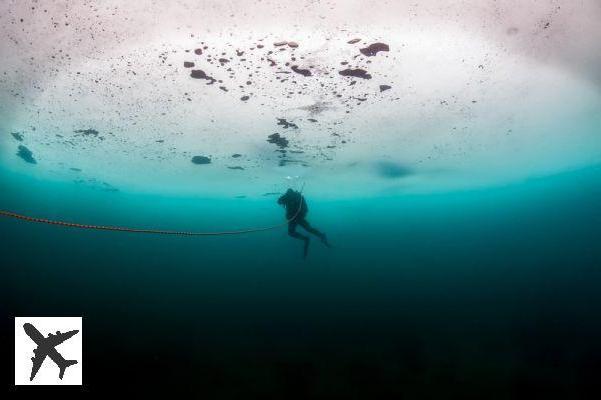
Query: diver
296	211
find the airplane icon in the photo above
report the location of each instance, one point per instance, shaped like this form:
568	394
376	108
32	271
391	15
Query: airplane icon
46	347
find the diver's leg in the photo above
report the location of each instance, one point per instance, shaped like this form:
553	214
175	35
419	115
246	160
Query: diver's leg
292	232
306	226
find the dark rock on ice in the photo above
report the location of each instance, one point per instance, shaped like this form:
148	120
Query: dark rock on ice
200	160
303	72
200	74
278	140
357	73
374	48
286	124
26	154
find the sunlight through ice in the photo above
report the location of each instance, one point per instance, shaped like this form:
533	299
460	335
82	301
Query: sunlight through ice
358	98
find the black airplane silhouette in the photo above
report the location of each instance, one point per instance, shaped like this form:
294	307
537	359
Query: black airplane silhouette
46	347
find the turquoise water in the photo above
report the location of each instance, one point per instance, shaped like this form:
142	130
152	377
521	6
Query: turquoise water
456	294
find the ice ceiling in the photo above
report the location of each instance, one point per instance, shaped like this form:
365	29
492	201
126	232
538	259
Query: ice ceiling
357	98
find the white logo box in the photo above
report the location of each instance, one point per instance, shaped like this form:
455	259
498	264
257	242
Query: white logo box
70	349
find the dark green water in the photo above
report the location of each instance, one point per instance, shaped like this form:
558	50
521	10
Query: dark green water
478	294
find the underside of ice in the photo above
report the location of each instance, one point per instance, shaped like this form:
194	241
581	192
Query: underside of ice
355	98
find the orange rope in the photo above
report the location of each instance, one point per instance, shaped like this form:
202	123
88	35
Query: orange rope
27	218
